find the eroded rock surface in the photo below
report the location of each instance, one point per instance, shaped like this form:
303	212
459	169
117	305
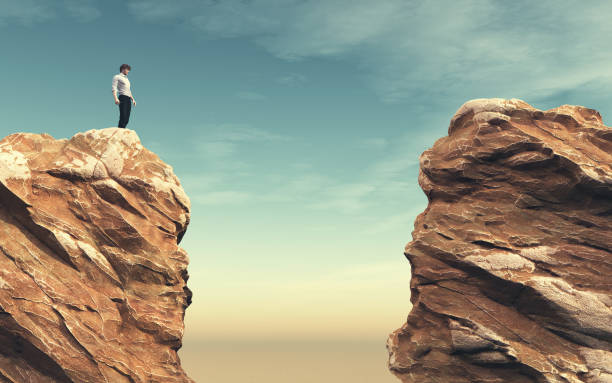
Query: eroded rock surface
93	285
512	258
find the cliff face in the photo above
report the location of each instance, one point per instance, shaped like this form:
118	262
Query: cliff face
512	258
92	281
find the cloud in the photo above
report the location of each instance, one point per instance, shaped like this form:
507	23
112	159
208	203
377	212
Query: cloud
382	183
251	96
430	50
222	152
300	187
82	10
223	197
161	10
202	180
394	166
30	12
301	165
221	143
216	149
230	154
319	191
26	12
241	132
233	157
373	143
346	198
290	29
329	28
291	79
401	221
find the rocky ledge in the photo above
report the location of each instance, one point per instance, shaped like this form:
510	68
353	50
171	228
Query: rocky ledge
512	258
92	281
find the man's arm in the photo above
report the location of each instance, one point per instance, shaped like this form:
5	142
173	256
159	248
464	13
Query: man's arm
115	81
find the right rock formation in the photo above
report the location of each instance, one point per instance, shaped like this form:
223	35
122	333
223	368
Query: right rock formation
512	258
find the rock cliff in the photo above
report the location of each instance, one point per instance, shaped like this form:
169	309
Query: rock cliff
512	258
92	281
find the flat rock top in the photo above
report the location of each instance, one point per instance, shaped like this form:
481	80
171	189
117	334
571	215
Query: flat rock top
111	153
512	256
92	280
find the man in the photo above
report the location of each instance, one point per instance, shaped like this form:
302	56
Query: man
121	85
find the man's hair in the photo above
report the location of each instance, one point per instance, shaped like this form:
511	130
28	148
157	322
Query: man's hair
123	66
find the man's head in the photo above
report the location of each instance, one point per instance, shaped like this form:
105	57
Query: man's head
125	69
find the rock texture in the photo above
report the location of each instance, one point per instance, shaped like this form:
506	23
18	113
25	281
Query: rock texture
92	281
512	258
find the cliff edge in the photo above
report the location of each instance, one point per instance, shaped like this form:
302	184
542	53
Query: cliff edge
93	284
512	258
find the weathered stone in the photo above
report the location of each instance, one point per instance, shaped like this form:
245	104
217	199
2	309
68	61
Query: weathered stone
511	260
93	285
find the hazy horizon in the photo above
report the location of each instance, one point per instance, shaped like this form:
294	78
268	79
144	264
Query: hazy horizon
289	361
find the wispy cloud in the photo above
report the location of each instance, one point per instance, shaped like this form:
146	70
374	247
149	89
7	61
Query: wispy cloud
241	132
224	197
30	12
291	79
405	48
224	165
403	221
320	191
250	96
224	155
393	166
299	186
25	12
221	143
373	143
346	198
82	10
216	149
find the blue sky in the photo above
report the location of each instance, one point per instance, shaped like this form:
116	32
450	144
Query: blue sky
295	127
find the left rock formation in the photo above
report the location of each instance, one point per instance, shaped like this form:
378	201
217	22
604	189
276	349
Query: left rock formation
93	284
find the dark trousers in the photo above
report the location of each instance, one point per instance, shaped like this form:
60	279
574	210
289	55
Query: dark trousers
125	106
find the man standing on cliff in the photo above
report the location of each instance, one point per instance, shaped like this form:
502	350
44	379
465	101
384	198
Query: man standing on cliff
121	85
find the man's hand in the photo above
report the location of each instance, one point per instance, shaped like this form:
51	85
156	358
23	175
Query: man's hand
117	101
134	102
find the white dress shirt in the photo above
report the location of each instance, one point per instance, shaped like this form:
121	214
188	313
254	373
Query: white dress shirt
121	85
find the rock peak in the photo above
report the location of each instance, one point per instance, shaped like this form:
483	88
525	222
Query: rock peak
512	256
489	108
93	285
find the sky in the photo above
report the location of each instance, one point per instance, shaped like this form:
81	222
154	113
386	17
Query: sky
295	127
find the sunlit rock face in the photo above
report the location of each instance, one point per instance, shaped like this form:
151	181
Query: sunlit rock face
512	258
93	285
